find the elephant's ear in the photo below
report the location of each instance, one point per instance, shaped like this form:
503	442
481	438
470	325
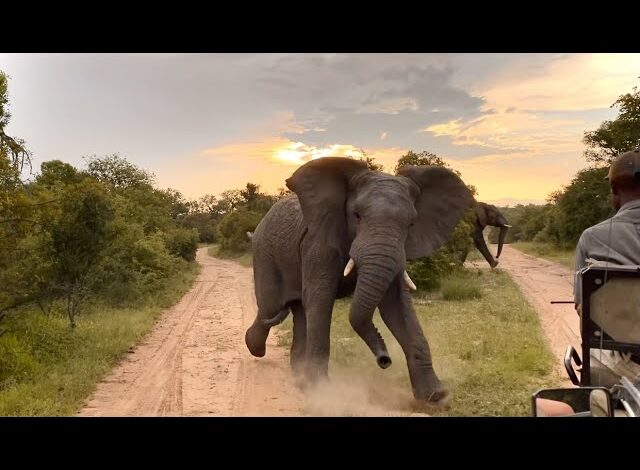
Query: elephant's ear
482	217
441	204
321	186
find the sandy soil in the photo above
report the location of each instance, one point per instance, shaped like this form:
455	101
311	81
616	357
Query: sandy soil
195	363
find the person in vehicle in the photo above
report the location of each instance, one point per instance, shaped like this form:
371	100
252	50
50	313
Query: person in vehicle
616	241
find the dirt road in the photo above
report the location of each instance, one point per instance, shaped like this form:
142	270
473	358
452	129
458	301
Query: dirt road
195	363
541	282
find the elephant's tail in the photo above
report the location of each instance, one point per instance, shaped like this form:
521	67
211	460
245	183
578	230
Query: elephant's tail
279	318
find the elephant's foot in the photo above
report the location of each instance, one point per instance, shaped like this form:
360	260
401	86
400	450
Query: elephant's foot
315	374
305	382
297	365
255	339
438	399
301	382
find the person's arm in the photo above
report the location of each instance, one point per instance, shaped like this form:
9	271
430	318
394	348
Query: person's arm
580	257
549	408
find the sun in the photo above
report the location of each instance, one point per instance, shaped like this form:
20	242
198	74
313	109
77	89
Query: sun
297	153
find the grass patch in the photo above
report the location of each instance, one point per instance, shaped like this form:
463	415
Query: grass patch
490	352
244	258
48	369
475	256
564	256
461	285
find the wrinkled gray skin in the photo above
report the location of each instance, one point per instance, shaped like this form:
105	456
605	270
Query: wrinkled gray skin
343	210
487	214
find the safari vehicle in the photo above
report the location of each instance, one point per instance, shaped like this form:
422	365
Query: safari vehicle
610	321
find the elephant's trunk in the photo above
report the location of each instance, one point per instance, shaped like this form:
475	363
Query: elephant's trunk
375	274
502	236
481	245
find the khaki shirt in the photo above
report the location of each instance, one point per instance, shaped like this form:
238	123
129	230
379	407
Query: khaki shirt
615	240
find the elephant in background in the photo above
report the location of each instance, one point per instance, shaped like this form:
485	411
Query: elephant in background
487	214
349	230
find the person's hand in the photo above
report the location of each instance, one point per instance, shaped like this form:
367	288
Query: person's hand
550	408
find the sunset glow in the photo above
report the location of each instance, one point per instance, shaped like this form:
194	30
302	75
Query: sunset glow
513	124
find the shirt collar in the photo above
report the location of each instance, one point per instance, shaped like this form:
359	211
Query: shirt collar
630	205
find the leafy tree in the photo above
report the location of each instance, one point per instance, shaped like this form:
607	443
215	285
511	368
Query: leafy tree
57	172
175	202
207	203
620	135
78	238
233	228
371	162
282	192
203	223
231	199
250	195
182	242
116	172
586	201
422	158
11	148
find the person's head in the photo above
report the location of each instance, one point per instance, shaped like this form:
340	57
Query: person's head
624	178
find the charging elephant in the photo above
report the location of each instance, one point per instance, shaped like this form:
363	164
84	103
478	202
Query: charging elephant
349	230
487	214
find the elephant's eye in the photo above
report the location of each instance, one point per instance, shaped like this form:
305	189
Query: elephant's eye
357	215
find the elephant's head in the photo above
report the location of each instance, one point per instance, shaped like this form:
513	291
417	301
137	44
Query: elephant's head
376	222
487	214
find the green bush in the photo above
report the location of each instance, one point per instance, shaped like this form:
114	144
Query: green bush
233	228
182	242
427	272
203	223
133	265
585	202
16	362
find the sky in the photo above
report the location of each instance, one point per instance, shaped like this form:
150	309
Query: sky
512	124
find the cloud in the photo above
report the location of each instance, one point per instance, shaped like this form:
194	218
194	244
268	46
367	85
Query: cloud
566	82
216	121
517	175
514	131
391	106
281	150
352	96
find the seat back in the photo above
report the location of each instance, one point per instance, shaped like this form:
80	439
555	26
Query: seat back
610	311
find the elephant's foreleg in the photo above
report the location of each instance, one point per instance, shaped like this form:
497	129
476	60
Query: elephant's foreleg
256	336
299	344
398	314
319	289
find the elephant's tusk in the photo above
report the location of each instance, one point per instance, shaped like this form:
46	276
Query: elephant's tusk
409	282
506	225
349	267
